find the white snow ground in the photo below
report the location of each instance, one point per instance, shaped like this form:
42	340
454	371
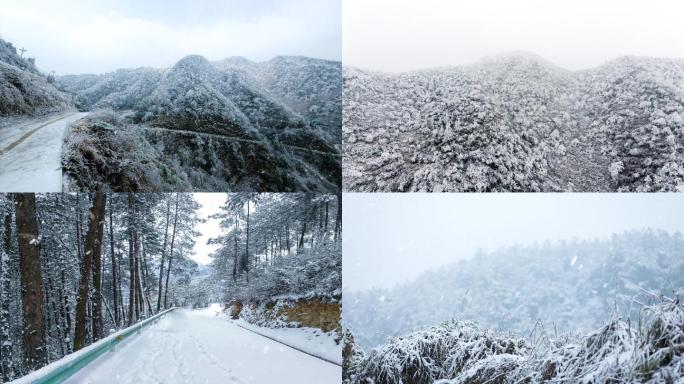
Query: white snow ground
189	346
311	340
34	165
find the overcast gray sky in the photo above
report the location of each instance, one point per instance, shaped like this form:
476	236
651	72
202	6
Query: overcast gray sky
95	36
400	35
392	237
211	202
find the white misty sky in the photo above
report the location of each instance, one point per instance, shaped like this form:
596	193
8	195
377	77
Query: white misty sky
211	202
400	35
391	238
96	36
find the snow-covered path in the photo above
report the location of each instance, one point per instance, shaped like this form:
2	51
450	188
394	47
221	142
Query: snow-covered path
30	154
189	346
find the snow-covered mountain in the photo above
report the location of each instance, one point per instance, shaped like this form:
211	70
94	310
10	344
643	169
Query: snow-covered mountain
121	89
516	123
294	99
24	90
228	125
570	286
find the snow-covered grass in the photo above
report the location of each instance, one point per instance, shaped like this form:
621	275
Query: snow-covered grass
651	351
438	352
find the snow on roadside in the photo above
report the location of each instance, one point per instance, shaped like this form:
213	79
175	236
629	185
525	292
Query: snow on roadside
311	340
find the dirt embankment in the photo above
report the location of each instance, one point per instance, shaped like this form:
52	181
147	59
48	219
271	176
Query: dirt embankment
319	313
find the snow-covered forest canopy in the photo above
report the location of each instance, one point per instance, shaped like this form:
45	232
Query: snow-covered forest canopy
516	123
215	126
75	267
575	285
296	247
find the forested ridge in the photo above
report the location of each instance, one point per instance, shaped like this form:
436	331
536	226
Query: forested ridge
516	123
232	125
576	285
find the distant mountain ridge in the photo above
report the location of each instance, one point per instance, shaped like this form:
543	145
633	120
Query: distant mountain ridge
296	99
218	126
516	123
571	286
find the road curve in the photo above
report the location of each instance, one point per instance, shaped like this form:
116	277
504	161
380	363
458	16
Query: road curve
30	154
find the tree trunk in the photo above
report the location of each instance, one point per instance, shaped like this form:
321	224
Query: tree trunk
131	257
119	273
246	261
338	218
54	311
115	268
92	252
300	246
146	278
173	238
63	324
287	235
67	309
5	345
325	224
136	280
97	267
31	280
235	254
161	265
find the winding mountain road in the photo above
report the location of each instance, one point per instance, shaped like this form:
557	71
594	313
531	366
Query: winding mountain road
30	154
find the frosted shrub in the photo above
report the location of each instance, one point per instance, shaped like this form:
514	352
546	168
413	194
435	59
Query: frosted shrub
437	352
460	352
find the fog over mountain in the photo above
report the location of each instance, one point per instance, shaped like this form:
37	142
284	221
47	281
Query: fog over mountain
405	35
98	36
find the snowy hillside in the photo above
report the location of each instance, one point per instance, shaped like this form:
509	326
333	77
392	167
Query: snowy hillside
232	125
121	89
24	90
285	94
516	123
575	286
